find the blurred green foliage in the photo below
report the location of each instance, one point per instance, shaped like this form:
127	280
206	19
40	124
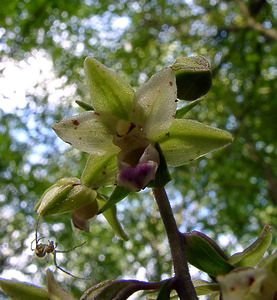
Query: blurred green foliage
231	193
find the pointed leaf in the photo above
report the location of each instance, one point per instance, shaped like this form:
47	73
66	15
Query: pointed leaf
118	194
54	290
84	105
111	96
193	77
187	140
111	217
251	256
155	103
180	113
22	291
86	132
203	287
100	170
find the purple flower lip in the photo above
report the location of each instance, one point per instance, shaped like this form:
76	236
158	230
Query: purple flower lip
138	177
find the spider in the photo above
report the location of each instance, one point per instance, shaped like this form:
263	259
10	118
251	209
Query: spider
42	249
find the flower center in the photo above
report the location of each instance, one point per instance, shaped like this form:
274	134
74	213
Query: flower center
138	160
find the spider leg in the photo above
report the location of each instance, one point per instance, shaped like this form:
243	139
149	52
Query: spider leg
69	250
63	270
35	240
32	244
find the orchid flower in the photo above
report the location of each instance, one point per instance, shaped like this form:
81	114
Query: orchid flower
121	131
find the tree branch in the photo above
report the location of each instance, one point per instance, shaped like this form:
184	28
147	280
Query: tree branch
252	23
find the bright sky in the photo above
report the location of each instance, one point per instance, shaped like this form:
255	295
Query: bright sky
34	76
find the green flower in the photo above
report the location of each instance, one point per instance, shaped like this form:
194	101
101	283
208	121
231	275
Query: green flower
121	131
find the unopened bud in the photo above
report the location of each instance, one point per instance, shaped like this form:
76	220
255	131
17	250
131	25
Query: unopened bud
205	254
82	215
193	77
65	195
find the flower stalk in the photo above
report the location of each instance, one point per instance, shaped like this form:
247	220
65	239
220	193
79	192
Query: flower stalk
183	283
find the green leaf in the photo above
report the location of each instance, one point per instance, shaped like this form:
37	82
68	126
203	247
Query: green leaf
111	96
193	77
180	113
252	255
84	105
22	291
54	290
118	194
111	217
187	140
203	253
203	287
100	170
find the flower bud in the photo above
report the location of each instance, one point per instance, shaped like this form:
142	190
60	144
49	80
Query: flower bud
66	195
205	254
81	215
193	77
251	283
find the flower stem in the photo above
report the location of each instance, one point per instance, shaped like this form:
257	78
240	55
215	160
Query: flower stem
183	286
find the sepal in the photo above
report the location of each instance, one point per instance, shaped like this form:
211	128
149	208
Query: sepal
187	140
111	217
22	291
111	96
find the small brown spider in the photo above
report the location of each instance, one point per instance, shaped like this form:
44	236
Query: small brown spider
42	249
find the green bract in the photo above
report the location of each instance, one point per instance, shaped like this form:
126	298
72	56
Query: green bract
121	132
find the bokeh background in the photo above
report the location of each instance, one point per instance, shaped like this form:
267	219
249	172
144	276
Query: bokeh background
228	195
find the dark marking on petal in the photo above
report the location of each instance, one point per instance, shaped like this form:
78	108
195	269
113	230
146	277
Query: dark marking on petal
251	280
76	123
132	126
68	143
176	100
232	288
170	83
80	138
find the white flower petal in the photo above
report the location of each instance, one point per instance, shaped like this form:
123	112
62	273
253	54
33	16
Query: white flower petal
155	105
87	133
187	140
